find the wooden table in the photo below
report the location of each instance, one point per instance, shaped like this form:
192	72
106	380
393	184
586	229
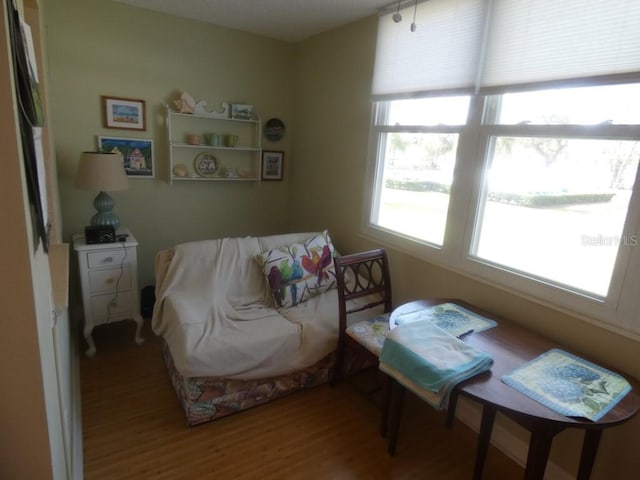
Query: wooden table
512	346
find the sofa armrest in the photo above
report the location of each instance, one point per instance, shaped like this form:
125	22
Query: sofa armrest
162	261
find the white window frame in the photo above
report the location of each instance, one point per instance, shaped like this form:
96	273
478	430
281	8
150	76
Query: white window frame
619	311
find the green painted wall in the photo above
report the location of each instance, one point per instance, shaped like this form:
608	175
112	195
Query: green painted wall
100	47
333	112
320	89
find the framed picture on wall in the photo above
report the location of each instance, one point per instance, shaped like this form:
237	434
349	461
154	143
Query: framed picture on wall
125	113
272	165
137	154
242	111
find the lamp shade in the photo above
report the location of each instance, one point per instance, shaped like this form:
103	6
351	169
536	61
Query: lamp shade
101	172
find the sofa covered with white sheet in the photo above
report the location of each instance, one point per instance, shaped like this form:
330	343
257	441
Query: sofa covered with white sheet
246	320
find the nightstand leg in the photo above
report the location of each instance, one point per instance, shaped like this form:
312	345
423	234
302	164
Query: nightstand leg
140	322
91	351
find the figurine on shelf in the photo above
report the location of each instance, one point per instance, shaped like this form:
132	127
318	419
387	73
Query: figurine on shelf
201	109
185	104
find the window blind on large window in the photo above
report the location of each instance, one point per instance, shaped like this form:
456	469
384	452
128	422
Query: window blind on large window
465	45
442	54
533	41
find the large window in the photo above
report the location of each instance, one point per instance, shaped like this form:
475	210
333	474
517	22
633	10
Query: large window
554	200
418	141
518	169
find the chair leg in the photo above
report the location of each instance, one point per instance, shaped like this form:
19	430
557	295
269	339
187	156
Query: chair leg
385	401
397	399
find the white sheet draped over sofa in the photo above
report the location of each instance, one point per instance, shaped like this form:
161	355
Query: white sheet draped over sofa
215	311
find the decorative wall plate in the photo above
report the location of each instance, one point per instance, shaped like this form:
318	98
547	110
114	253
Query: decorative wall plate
274	129
206	164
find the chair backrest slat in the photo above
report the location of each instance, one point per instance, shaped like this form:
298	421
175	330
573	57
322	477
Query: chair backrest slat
370	276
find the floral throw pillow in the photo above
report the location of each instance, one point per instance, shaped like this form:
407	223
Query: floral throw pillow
299	271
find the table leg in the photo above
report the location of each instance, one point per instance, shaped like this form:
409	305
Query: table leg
385	401
486	426
451	409
397	399
539	447
588	455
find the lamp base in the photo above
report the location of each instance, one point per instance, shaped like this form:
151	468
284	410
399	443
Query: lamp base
103	203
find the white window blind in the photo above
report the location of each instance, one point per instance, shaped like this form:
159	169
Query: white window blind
442	54
532	41
462	45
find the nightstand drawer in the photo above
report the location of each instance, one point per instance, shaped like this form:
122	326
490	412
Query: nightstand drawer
110	307
107	258
107	279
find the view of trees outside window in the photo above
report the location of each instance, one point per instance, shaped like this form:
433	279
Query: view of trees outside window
418	172
417	168
556	207
559	173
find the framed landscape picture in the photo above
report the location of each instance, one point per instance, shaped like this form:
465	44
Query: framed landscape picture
272	165
137	154
125	113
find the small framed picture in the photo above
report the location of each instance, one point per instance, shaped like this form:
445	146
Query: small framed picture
241	111
137	154
272	165
125	113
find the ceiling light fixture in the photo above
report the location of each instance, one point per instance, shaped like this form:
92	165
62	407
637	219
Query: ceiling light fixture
396	16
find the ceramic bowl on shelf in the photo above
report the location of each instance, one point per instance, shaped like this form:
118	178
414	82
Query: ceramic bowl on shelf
193	139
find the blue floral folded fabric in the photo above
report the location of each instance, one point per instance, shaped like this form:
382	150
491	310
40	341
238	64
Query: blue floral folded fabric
569	385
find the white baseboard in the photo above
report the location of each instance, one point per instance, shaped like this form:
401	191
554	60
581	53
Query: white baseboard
513	447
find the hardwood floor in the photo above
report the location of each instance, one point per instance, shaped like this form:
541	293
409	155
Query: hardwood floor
134	428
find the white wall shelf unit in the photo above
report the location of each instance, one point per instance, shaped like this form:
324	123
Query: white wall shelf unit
209	157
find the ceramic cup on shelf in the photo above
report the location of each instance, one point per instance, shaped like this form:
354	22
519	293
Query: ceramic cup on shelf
212	139
193	139
230	140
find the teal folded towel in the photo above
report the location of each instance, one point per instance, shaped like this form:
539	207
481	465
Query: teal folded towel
430	361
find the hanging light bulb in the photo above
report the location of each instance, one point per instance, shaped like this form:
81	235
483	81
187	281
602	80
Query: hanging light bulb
413	24
396	16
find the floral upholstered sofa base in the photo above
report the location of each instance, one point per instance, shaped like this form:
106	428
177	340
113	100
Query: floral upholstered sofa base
206	398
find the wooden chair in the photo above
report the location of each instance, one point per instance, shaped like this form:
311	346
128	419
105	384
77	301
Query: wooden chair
364	300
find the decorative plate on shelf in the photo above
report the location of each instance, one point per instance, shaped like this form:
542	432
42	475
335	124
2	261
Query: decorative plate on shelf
274	129
206	164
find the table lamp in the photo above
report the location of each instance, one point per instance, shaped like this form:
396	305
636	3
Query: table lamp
102	172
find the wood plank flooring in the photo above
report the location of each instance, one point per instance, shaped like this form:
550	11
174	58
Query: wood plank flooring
134	428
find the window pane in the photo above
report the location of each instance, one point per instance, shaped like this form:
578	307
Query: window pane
556	207
614	104
416	174
429	111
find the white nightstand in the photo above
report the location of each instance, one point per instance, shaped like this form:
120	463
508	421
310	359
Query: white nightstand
109	280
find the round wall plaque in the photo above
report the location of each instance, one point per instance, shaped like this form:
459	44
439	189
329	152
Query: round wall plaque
274	129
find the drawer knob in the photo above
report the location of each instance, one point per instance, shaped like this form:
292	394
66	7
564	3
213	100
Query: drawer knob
109	281
108	260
